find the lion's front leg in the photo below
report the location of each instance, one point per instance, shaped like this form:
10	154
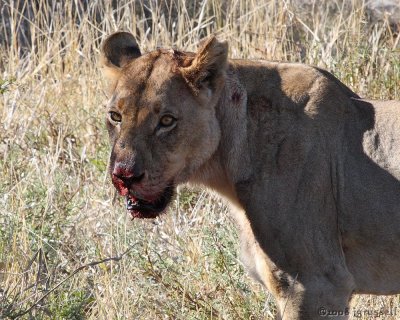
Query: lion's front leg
317	299
304	289
302	295
307	284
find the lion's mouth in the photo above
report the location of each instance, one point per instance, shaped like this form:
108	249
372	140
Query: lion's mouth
140	208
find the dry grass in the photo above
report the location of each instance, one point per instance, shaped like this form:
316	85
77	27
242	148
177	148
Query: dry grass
56	207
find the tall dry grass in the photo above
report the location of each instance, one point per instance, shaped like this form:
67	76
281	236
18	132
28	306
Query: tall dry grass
57	214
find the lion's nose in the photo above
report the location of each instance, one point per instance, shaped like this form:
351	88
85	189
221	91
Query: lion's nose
128	176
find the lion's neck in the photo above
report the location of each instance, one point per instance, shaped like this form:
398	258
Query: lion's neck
230	163
213	175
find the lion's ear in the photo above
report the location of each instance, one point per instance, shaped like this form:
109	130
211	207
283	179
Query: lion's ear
117	50
208	65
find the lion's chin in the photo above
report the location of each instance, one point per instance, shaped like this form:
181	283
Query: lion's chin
140	208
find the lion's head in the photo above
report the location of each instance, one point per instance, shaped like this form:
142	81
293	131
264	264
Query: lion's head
161	117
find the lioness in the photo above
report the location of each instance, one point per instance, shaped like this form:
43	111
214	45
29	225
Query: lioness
312	170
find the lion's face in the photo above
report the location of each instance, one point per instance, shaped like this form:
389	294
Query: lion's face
161	120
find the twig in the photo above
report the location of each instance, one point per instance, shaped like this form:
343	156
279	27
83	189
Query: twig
91	264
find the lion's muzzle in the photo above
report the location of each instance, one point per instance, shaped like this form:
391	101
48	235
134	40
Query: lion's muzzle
125	178
130	183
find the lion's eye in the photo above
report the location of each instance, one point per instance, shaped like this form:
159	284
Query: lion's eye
115	116
167	121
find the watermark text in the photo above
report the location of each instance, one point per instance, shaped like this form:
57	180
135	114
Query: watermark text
378	313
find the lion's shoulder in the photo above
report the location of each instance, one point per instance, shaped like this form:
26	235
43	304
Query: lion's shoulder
293	86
